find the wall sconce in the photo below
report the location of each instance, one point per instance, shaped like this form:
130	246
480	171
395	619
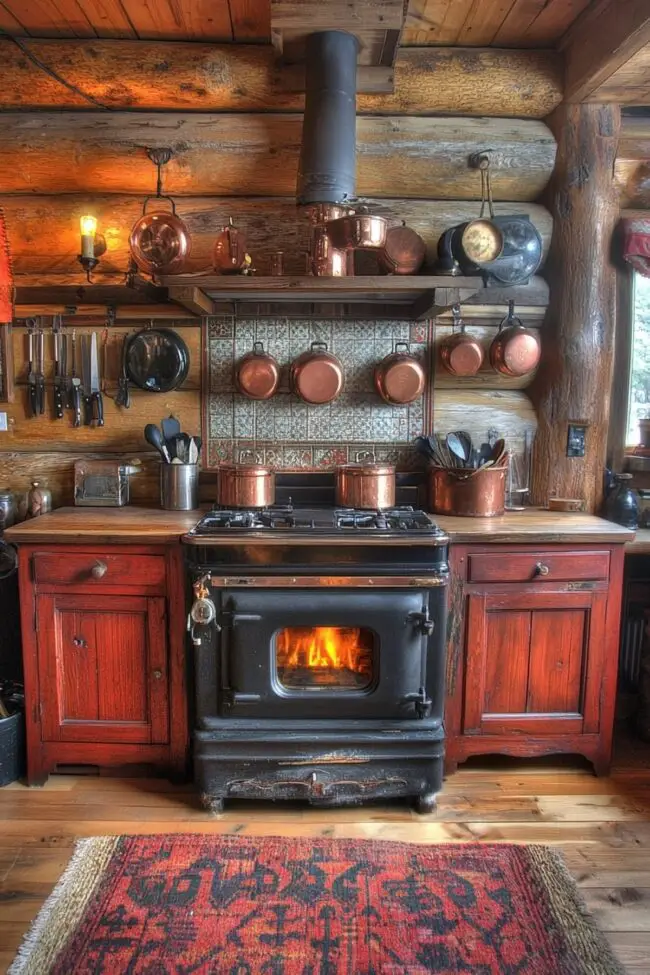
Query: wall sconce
93	245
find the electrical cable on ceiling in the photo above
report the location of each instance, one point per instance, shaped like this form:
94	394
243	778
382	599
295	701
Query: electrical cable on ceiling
39	64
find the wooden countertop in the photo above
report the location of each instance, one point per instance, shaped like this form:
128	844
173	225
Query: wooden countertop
134	525
640	544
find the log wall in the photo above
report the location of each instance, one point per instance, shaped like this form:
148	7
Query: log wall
241	160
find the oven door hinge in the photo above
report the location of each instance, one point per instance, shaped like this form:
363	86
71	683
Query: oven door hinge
421	702
422	620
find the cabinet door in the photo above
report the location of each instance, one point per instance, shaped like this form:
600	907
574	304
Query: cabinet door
103	668
534	662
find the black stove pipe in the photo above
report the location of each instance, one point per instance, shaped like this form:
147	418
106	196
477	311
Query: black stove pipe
327	168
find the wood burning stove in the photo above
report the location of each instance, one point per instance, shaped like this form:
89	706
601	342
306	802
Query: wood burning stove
319	640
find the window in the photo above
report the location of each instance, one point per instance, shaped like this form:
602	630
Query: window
639	394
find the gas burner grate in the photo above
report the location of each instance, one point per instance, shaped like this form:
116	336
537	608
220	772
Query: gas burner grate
332	521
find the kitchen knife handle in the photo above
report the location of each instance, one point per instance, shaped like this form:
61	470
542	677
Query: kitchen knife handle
98	400
88	410
33	398
76	404
58	401
40	395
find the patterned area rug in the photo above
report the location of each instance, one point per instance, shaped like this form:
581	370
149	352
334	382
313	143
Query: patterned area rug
181	904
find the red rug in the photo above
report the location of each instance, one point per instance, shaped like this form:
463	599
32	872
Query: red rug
201	905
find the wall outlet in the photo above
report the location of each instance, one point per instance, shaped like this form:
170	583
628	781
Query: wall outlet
3	423
575	445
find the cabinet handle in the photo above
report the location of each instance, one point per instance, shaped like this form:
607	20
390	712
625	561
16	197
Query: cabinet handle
541	569
157	674
99	570
78	641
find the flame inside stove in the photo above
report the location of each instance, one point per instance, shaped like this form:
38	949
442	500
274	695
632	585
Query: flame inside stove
324	655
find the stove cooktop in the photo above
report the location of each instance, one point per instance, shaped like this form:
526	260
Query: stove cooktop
316	521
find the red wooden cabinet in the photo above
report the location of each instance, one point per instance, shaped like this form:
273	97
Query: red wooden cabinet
532	664
104	657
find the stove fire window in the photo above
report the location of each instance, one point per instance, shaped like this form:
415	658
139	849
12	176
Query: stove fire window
322	657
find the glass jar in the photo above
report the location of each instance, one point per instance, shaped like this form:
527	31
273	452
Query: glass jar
8	510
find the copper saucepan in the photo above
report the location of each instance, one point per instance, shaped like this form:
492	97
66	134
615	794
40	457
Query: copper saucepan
515	350
460	354
358	230
245	485
365	484
399	378
257	373
317	375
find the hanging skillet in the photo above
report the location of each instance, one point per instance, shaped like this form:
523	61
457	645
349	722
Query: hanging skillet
156	359
160	242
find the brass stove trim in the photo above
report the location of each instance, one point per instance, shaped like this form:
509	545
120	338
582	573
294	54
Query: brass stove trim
327	582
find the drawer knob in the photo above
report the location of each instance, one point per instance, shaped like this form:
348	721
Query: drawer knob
99	570
541	569
157	674
78	641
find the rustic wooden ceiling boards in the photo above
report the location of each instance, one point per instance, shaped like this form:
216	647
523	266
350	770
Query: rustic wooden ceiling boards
484	23
218	20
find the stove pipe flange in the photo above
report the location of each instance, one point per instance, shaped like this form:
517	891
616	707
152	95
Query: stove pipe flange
327	167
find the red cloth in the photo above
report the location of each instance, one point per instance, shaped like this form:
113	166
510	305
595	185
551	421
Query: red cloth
636	244
6	275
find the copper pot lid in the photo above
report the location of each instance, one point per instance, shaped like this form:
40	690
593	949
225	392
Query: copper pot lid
403	252
258	373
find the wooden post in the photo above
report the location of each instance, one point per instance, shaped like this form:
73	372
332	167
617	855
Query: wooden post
575	376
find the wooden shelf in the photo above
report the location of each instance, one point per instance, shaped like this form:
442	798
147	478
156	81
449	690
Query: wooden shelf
388	296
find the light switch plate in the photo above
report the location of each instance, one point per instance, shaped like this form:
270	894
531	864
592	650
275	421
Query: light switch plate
3	423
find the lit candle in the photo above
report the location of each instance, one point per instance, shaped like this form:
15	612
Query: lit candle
88	230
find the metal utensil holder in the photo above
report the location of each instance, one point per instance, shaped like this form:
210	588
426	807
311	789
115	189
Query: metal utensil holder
179	487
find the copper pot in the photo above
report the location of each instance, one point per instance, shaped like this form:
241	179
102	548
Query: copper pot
326	259
403	251
245	486
159	242
365	485
461	355
229	255
358	231
257	373
477	493
399	377
515	350
317	375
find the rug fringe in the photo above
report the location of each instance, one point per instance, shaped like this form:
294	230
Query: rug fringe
68	893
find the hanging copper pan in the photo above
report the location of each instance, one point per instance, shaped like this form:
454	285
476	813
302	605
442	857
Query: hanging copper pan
317	375
257	373
515	350
160	242
461	355
399	377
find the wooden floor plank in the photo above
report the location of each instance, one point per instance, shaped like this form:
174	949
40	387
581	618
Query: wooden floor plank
601	825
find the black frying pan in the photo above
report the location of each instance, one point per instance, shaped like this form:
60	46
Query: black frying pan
156	359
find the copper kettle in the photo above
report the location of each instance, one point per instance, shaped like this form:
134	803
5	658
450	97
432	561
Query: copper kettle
229	255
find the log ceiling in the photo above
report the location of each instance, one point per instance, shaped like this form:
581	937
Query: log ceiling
467	23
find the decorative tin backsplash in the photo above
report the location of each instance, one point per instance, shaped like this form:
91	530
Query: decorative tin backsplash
295	436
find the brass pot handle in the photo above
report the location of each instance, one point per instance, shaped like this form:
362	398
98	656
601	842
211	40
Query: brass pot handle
541	569
99	570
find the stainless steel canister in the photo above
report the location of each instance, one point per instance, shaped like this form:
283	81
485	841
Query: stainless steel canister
179	486
8	509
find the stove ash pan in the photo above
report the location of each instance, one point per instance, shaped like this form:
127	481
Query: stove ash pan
330	695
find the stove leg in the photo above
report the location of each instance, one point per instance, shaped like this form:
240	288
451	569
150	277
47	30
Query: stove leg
213	804
426	803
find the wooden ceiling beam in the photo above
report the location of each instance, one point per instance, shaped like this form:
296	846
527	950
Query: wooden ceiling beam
601	42
179	76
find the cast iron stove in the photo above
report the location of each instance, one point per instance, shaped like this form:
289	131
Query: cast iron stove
319	654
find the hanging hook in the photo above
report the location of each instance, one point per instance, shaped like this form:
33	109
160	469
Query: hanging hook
159	157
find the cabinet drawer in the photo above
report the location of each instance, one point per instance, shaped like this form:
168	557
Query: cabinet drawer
538	566
100	570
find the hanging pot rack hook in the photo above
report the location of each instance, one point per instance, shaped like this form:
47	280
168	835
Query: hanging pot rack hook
159	157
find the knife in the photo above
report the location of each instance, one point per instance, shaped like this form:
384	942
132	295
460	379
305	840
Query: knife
31	375
84	341
40	378
75	383
58	374
123	397
97	401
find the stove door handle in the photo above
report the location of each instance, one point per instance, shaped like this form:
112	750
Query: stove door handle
237	698
228	618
